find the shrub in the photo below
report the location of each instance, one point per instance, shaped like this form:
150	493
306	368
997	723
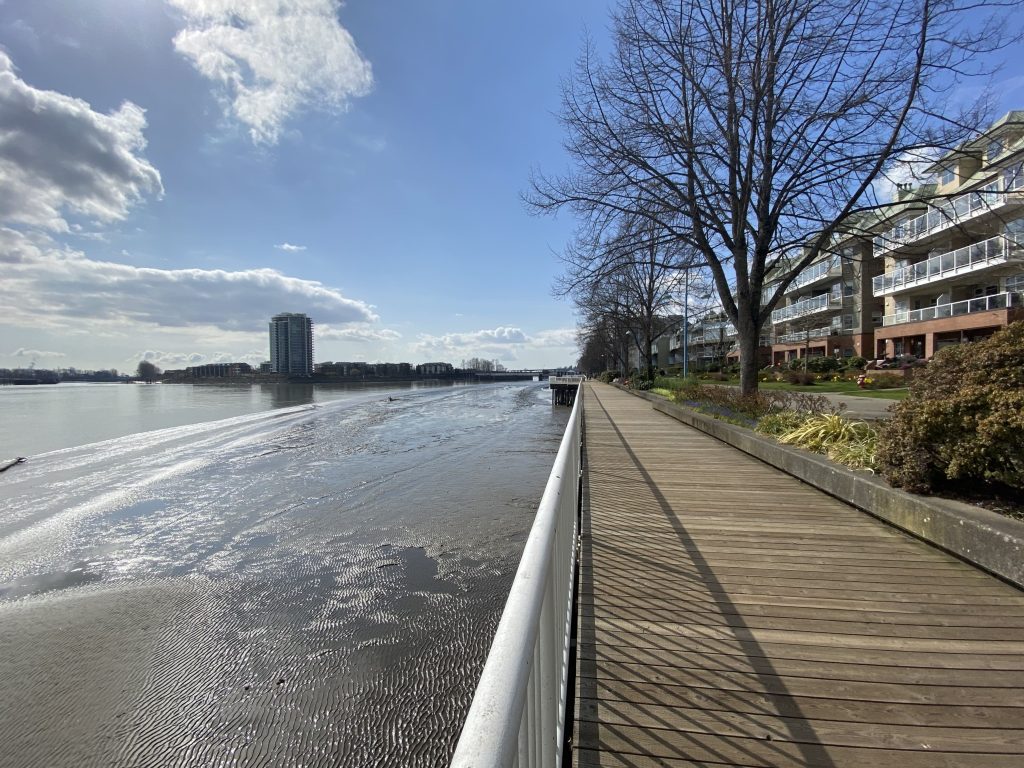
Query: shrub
963	419
780	423
643	385
728	400
822	364
802	378
886	381
609	376
856	362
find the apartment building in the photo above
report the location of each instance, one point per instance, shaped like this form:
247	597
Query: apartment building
291	344
828	308
954	271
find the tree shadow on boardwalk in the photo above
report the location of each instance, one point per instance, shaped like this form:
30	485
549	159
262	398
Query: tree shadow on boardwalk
664	700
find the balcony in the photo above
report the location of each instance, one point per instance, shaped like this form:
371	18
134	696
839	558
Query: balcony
971	258
831	267
957	308
809	306
956	211
797	338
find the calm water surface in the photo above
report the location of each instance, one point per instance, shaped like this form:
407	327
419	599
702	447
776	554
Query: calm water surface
312	584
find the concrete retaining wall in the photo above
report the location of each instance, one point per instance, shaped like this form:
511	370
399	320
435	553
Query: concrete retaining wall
986	539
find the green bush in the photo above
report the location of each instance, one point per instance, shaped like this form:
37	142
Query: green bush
822	364
799	377
856	362
963	419
776	424
643	385
609	376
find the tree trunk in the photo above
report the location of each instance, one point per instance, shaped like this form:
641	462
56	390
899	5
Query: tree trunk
748	362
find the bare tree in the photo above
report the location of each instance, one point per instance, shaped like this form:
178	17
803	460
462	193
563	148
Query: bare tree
751	130
630	275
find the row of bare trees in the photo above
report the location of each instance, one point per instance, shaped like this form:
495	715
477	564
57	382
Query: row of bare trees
725	135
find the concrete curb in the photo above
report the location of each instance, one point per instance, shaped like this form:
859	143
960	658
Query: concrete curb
986	539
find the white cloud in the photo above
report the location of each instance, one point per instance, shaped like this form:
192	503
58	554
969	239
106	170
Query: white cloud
185	359
44	285
273	58
290	247
35	353
907	168
359	333
508	343
58	156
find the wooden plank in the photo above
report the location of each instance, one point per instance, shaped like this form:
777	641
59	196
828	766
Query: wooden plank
735	616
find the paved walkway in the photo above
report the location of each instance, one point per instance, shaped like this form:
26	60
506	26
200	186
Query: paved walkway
733	616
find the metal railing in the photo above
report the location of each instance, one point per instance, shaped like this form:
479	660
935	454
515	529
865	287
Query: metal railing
948	214
807	307
829	267
970	258
793	338
517	717
955	309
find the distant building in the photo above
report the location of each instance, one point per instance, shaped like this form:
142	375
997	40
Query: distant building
435	369
218	370
291	344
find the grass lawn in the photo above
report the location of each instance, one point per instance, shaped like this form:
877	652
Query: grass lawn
842	387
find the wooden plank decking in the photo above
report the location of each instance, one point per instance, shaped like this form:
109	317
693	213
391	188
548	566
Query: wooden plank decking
731	615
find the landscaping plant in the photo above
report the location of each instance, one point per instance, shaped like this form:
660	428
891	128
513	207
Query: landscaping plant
963	420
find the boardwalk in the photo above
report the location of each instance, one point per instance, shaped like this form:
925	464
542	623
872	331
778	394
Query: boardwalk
733	616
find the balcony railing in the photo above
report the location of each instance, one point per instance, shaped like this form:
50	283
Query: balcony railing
948	214
955	309
995	250
831	267
795	338
807	307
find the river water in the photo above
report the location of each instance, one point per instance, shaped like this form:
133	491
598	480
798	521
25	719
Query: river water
315	584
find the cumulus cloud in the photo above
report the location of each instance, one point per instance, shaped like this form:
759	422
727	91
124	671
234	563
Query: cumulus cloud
908	168
186	359
59	156
504	342
273	58
360	333
54	286
35	353
289	247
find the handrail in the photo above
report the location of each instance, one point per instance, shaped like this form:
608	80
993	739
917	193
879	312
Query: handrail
994	250
518	712
955	309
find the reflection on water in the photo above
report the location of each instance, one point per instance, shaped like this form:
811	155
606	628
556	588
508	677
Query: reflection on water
315	585
38	419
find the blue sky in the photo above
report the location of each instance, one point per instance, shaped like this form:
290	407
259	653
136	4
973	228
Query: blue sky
176	171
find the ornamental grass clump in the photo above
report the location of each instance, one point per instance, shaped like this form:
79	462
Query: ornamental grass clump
963	420
778	424
848	442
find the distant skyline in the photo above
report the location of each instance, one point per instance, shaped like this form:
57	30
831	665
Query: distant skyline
175	172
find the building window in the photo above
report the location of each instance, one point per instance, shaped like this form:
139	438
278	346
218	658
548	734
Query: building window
1015	284
995	148
847	351
947	176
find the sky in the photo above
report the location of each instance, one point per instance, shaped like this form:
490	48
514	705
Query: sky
174	172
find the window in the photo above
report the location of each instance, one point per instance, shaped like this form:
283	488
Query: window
847	351
947	176
1015	284
847	322
995	148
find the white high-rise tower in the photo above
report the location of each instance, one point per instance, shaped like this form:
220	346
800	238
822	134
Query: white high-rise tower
291	344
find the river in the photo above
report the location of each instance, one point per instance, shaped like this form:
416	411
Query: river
314	584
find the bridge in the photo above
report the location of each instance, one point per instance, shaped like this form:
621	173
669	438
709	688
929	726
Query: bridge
729	614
